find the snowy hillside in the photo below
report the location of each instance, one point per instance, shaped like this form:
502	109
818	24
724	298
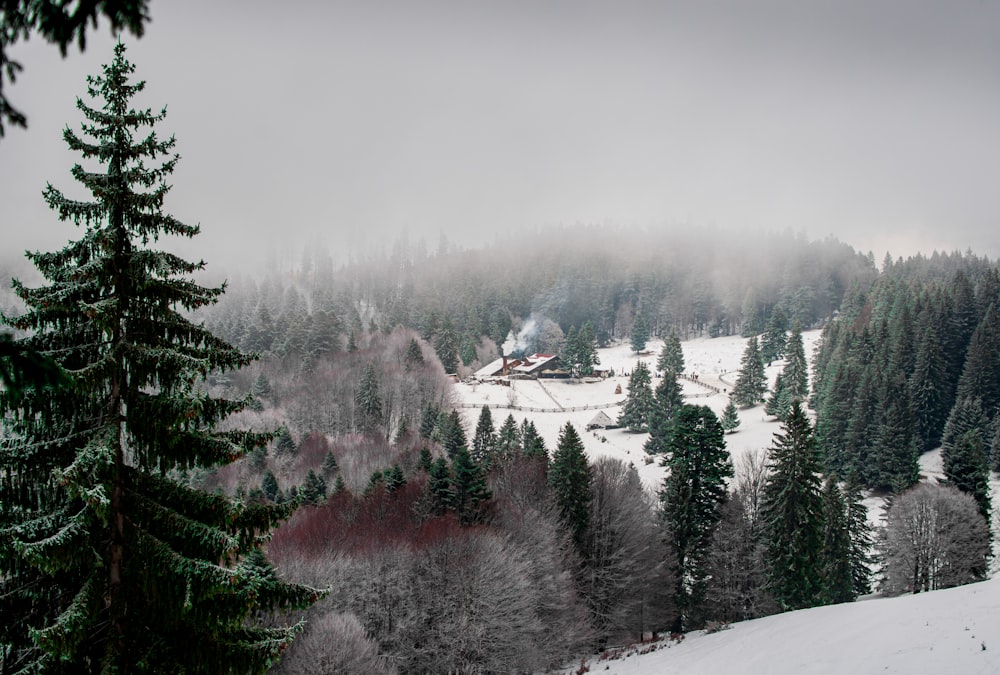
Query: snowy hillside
552	403
951	631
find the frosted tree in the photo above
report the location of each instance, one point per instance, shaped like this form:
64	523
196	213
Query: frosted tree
751	383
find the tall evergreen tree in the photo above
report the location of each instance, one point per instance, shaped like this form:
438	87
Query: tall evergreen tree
587	349
793	514
927	394
484	441
693	492
835	560
751	383
860	533
446	346
570	479
640	334
774	341
107	562
796	370
453	433
469	491
730	418
532	444
895	450
667	402
439	486
369	401
671	356
639	404
966	466
508	438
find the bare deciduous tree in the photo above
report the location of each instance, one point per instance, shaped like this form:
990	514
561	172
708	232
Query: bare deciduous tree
934	538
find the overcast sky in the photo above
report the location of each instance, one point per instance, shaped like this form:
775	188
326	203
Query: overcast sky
876	121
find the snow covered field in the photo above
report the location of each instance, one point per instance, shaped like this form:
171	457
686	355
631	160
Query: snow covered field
716	362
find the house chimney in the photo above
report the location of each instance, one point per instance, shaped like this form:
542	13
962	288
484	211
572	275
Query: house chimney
505	372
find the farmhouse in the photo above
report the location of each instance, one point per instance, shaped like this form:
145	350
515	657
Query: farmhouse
601	421
534	365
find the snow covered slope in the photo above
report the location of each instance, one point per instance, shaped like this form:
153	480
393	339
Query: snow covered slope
951	631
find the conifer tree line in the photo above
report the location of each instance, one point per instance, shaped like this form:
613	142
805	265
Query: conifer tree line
913	363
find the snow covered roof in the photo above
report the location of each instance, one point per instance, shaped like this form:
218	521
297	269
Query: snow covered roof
536	363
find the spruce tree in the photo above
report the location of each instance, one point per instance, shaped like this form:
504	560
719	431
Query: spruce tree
835	560
587	349
640	334
793	514
484	441
774	341
694	489
751	383
108	563
532	444
671	356
667	402
570	479
639	403
796	371
508	438
469	490
439	486
453	433
927	393
429	420
730	418
860	534
446	346
414	356
779	402
269	485
368	401
966	466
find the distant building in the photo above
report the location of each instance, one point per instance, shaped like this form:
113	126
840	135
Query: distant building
601	421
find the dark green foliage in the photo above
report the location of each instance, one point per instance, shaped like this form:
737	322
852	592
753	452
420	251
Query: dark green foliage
283	441
570	480
446	346
469	490
368	401
429	420
439	486
508	438
107	563
667	402
927	394
796	371
22	367
376	482
693	492
773	341
579	352
671	359
860	533
779	402
425	459
329	466
751	383
895	450
835	561
313	490
394	478
793	515
639	403
640	334
532	444
452	433
339	486
269	486
966	466
730	418
484	442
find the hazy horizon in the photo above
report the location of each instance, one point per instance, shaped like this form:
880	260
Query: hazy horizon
353	123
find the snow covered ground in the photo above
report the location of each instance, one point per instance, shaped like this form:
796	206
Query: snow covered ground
951	631
716	362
